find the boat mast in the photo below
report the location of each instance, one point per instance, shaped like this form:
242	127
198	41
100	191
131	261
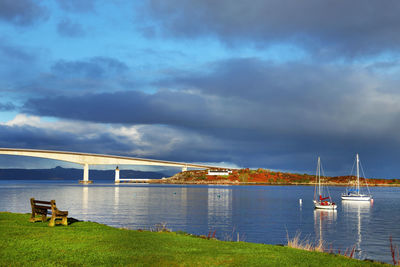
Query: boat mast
358	176
319	177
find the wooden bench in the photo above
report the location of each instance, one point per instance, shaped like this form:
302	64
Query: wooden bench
43	208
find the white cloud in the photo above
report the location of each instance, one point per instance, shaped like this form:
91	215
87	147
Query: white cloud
147	141
23	120
220	164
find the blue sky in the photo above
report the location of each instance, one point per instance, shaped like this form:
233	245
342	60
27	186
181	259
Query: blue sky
271	84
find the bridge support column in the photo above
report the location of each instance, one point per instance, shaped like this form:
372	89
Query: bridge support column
184	168
85	175
116	175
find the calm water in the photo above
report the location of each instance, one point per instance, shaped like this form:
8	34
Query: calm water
262	214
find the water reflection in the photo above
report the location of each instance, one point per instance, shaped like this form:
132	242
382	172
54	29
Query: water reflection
85	199
116	199
219	207
116	196
358	212
323	222
133	205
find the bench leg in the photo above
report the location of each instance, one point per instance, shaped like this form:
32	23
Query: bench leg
32	219
64	221
52	221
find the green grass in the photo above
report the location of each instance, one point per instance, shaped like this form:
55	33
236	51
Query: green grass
91	244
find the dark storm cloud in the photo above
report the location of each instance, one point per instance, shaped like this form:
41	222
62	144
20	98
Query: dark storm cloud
258	112
22	12
78	77
70	29
255	79
35	138
238	94
164	107
322	27
280	93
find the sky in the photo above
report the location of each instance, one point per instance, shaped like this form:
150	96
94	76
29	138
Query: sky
259	84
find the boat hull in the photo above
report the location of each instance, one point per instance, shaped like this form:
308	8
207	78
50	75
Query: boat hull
356	197
329	206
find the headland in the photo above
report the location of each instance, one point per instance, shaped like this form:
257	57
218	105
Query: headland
265	177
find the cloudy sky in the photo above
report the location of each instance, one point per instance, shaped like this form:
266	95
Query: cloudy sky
269	84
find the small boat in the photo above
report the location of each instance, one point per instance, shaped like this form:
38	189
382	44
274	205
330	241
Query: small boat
321	202
354	194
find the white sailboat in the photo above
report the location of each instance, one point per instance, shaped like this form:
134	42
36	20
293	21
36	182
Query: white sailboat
354	194
321	202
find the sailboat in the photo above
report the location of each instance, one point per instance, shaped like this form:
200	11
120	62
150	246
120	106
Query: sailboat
354	194
321	202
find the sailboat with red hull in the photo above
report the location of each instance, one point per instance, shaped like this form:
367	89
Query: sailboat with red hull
321	202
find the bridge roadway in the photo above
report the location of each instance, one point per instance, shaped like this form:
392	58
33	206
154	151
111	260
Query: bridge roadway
87	159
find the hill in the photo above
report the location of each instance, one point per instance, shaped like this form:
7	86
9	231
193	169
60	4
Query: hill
264	176
59	173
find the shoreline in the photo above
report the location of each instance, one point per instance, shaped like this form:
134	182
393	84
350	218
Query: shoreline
212	182
224	182
267	177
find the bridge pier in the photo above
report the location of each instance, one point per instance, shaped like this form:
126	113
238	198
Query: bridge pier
85	175
116	175
184	168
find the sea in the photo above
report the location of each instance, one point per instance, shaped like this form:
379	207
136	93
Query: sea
259	214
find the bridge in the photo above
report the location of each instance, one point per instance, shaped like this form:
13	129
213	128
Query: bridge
87	159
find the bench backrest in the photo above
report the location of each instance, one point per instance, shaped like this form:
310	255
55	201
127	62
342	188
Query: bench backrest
39	204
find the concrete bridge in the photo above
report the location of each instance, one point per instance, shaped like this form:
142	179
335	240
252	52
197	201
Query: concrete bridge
86	159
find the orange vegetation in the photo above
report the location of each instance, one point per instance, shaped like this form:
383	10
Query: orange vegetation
263	176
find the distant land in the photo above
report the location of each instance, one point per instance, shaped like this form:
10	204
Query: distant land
240	176
59	173
267	177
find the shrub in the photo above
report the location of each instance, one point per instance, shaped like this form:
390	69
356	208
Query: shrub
304	244
202	177
244	177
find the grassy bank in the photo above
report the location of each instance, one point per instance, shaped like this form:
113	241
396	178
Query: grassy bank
93	244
